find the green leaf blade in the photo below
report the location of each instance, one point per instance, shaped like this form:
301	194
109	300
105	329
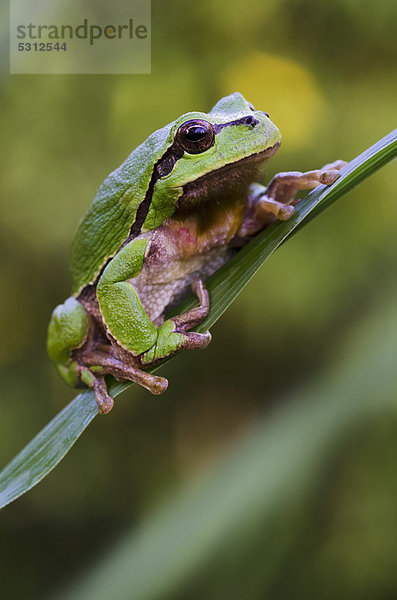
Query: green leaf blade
47	449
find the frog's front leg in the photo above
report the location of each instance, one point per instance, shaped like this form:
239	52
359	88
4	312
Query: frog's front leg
136	339
277	200
195	316
173	335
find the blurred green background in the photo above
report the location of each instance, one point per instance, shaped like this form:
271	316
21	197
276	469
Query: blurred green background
326	73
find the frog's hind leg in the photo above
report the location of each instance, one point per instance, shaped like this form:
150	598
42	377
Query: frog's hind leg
104	401
101	365
134	337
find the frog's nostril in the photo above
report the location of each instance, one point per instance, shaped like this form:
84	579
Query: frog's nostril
251	121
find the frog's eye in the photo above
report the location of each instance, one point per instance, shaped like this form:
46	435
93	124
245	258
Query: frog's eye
195	136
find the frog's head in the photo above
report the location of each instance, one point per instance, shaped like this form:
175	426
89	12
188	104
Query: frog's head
221	151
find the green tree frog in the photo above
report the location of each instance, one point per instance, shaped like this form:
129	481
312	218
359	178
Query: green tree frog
163	222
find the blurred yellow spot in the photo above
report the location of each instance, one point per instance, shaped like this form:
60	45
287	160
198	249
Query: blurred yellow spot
283	88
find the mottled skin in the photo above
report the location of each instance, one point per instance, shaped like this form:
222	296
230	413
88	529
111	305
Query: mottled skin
169	217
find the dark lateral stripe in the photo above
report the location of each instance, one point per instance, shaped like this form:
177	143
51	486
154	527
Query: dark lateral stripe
144	206
248	120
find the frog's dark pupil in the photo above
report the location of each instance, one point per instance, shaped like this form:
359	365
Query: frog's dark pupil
197	132
195	136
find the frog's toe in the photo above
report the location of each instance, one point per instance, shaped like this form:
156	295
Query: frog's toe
158	385
197	340
104	401
105	405
329	176
285	212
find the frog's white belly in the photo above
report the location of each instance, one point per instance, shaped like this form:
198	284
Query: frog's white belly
165	284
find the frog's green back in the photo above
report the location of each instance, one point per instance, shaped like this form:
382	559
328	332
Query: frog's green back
108	221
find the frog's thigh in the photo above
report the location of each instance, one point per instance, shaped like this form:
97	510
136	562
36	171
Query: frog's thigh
121	308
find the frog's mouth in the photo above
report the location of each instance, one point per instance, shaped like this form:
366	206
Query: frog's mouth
231	179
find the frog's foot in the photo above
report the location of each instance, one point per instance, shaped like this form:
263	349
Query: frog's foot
101	365
194	317
122	372
97	383
277	201
104	401
284	186
267	205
